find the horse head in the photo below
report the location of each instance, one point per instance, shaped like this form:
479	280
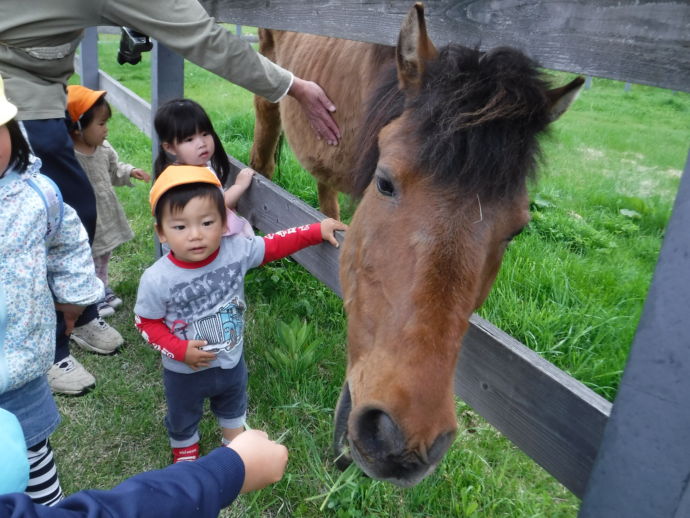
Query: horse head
448	147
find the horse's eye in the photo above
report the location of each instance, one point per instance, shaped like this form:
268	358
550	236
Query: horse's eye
385	186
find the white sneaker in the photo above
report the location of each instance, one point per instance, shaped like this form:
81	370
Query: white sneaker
69	377
105	309
111	299
97	337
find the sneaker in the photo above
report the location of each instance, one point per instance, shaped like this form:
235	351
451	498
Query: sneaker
105	309
97	337
69	377
188	453
111	299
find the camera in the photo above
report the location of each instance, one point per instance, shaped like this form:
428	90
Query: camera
132	44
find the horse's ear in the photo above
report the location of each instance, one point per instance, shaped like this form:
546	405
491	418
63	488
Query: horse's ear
561	98
414	48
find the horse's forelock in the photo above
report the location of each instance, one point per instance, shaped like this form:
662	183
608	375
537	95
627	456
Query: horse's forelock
477	117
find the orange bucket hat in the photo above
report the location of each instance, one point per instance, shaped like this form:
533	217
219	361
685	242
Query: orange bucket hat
80	99
175	175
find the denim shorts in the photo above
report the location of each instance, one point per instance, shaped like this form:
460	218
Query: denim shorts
35	409
185	394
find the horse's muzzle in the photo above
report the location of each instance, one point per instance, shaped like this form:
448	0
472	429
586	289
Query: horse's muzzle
379	447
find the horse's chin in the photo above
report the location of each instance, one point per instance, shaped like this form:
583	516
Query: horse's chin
404	470
341	445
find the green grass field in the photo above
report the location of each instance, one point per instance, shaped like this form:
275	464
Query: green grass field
571	287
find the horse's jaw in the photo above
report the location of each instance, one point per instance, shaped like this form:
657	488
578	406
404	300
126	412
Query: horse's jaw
399	465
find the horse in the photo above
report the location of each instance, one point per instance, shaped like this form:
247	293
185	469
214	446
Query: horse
438	146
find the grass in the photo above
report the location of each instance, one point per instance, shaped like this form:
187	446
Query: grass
571	287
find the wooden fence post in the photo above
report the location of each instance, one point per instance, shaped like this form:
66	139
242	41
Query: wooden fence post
167	82
642	466
88	64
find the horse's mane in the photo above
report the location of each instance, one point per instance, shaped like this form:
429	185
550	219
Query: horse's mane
476	118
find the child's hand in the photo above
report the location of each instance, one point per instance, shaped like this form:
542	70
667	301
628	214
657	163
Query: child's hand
140	174
195	357
71	313
236	190
244	178
328	228
264	460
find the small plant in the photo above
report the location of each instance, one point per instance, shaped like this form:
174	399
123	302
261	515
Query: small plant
295	354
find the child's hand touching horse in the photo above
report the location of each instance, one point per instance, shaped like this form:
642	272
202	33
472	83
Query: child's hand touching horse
197	358
328	228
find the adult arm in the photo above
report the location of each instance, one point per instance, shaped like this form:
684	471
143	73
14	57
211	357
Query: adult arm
186	28
188	489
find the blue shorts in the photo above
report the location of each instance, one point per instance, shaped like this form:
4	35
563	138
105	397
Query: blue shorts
185	394
35	409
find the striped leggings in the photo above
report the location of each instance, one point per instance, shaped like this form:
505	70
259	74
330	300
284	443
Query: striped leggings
44	485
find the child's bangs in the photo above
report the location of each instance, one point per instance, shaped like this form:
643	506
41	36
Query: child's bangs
187	124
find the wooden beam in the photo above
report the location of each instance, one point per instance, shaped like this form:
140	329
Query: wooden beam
136	109
549	415
643	466
640	42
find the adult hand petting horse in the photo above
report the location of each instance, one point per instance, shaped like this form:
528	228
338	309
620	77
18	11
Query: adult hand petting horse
318	108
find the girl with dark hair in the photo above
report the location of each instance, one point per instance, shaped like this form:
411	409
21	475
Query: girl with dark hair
186	137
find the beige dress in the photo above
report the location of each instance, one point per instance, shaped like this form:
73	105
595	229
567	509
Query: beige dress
105	171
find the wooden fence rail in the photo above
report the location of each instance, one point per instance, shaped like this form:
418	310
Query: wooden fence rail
551	416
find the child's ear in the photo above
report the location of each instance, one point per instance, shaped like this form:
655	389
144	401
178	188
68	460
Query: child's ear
160	233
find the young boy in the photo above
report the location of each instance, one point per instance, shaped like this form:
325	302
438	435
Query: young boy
190	304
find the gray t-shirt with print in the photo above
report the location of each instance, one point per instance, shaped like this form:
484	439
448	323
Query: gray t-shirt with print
205	303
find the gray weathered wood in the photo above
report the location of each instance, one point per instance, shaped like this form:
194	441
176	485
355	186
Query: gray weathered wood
549	415
167	82
643	466
136	109
87	65
645	42
269	208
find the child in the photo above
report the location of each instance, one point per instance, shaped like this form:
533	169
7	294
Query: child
190	303
87	117
187	137
45	264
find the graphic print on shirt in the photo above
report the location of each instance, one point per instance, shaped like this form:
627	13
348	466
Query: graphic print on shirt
222	331
212	306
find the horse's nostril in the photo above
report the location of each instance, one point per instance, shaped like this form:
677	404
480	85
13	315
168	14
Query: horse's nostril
378	434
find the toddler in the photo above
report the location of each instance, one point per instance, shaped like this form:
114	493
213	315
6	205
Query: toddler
187	137
87	120
45	265
190	304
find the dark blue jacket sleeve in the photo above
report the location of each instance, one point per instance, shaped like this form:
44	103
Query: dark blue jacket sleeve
187	489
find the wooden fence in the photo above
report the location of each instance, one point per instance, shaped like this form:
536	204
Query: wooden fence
606	455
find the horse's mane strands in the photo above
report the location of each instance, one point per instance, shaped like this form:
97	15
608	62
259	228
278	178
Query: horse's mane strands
477	117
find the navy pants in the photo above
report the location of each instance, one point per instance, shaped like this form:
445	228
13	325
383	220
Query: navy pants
51	143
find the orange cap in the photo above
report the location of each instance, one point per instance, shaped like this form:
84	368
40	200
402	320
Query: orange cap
175	175
80	99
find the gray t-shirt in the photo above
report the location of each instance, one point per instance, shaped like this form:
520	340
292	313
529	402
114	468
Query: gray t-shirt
205	303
